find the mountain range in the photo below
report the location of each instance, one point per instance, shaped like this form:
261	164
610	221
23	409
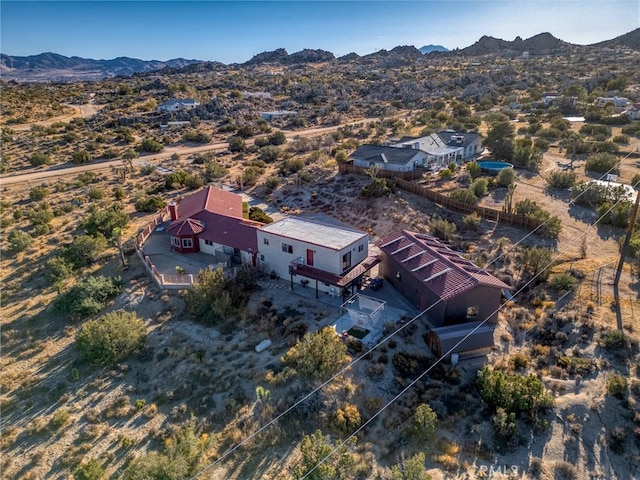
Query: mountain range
48	67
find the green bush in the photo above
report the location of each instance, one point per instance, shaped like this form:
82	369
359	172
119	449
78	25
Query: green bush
505	177
318	356
257	215
479	187
84	250
425	421
88	296
561	179
442	229
617	385
92	470
564	281
474	169
515	393
197	136
81	156
38	159
346	419
464	195
106	221
152	203
550	226
18	241
112	338
60	418
96	193
615	340
148	145
38	193
445	174
616	214
471	221
237	144
602	163
379	187
57	269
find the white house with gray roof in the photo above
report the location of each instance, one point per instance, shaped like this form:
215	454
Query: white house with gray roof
178	104
327	257
388	158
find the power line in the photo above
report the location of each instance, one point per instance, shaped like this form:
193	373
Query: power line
371	349
451	350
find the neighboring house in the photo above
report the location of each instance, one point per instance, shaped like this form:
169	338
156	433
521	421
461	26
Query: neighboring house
210	221
633	111
615	101
438	152
304	251
178	104
470	142
548	98
388	158
434	277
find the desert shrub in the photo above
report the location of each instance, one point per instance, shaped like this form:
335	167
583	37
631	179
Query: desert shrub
515	393
18	241
505	426
324	459
277	138
464	195
57	269
38	193
615	340
561	179
550	226
272	182
88	296
505	177
479	187
197	136
214	171
471	221
181	457
618	439
541	144
621	139
520	361
84	250
564	281
602	163
442	229
96	193
379	187
151	203
106	221
616	214
593	130
292	165
249	175
594	195
60	418
92	470
445	174
408	365
38	159
111	338
412	468
149	145
474	169
237	144
425	421
81	156
270	154
318	356
346	419
536	261
617	385
257	215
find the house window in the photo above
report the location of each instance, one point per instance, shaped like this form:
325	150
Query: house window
236	252
262	258
346	261
187	243
208	242
360	248
265	241
472	312
176	241
287	248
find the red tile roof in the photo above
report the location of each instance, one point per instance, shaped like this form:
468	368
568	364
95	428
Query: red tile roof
187	226
211	199
445	272
232	232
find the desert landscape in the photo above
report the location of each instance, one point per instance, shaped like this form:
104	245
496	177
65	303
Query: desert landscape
179	394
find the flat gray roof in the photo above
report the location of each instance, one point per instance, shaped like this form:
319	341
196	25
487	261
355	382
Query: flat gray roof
328	236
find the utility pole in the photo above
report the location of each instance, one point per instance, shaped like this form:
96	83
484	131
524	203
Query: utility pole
625	245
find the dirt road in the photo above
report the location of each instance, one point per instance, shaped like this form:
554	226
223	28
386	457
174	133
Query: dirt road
33	175
80	111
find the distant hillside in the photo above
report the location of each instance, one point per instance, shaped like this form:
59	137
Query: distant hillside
541	44
281	56
432	48
54	67
630	40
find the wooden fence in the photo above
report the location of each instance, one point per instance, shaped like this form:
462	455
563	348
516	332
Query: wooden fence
445	201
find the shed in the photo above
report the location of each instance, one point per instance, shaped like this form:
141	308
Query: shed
444	340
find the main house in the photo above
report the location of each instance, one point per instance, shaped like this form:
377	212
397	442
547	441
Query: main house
303	251
178	104
210	221
435	278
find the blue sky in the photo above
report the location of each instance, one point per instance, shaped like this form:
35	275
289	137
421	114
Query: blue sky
234	31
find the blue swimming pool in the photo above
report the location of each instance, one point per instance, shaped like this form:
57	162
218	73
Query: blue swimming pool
494	167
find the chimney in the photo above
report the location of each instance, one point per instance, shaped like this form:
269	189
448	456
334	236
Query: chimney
173	211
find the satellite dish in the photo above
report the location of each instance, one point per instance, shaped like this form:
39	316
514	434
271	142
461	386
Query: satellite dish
454	359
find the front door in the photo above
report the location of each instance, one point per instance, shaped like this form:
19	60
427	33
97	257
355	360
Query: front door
310	257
